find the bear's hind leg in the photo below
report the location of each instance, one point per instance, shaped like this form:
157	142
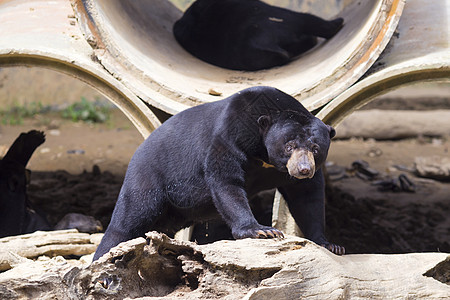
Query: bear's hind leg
135	213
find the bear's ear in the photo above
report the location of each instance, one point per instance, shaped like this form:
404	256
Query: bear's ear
331	131
264	122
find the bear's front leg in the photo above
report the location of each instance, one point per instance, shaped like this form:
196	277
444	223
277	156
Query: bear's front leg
225	178
232	204
305	199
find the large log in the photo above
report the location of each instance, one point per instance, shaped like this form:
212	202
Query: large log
291	268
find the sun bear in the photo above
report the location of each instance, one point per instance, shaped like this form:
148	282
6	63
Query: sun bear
207	161
17	214
249	35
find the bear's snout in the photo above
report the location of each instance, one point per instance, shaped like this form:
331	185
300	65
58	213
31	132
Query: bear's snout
304	169
301	164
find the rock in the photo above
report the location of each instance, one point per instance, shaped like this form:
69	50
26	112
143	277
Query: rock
291	268
435	167
80	222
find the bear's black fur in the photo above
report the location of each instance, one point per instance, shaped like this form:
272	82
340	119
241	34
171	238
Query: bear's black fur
249	34
206	161
17	215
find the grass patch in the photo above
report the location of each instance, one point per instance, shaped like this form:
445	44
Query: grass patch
15	114
86	111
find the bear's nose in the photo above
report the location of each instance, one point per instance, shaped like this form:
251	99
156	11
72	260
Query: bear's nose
301	164
304	169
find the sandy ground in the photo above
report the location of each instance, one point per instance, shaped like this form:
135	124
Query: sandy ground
359	216
76	147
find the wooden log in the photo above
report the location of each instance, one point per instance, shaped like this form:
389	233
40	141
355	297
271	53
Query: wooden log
16	249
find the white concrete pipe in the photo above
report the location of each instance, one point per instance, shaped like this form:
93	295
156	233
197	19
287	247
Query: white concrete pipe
45	34
419	52
134	42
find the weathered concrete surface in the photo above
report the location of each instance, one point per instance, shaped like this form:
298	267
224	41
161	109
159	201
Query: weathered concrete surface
418	52
292	268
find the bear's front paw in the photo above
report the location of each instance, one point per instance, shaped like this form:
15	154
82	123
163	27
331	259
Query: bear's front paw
257	232
336	249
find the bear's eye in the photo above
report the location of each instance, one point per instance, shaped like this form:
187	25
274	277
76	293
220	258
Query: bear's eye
315	149
289	147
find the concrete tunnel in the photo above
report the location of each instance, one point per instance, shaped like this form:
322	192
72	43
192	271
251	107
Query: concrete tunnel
134	41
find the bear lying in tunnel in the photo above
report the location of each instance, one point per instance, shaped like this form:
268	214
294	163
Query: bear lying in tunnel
207	161
249	35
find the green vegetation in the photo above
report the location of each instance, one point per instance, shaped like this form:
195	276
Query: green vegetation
90	112
14	115
84	110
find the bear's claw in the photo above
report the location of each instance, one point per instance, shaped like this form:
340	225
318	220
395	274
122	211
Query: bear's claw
269	234
260	232
336	249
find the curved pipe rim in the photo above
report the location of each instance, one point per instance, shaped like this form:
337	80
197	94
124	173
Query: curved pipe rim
134	109
377	84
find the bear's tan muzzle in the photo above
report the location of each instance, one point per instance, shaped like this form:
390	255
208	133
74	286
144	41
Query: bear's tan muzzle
301	164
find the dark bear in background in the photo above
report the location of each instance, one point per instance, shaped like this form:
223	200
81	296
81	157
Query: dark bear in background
249	35
206	161
17	216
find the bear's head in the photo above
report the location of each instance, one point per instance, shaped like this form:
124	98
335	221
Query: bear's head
296	143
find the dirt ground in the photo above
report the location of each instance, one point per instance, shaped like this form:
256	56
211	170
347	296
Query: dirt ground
368	220
62	180
359	216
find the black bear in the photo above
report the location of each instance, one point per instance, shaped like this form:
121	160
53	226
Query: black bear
206	161
17	216
249	35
